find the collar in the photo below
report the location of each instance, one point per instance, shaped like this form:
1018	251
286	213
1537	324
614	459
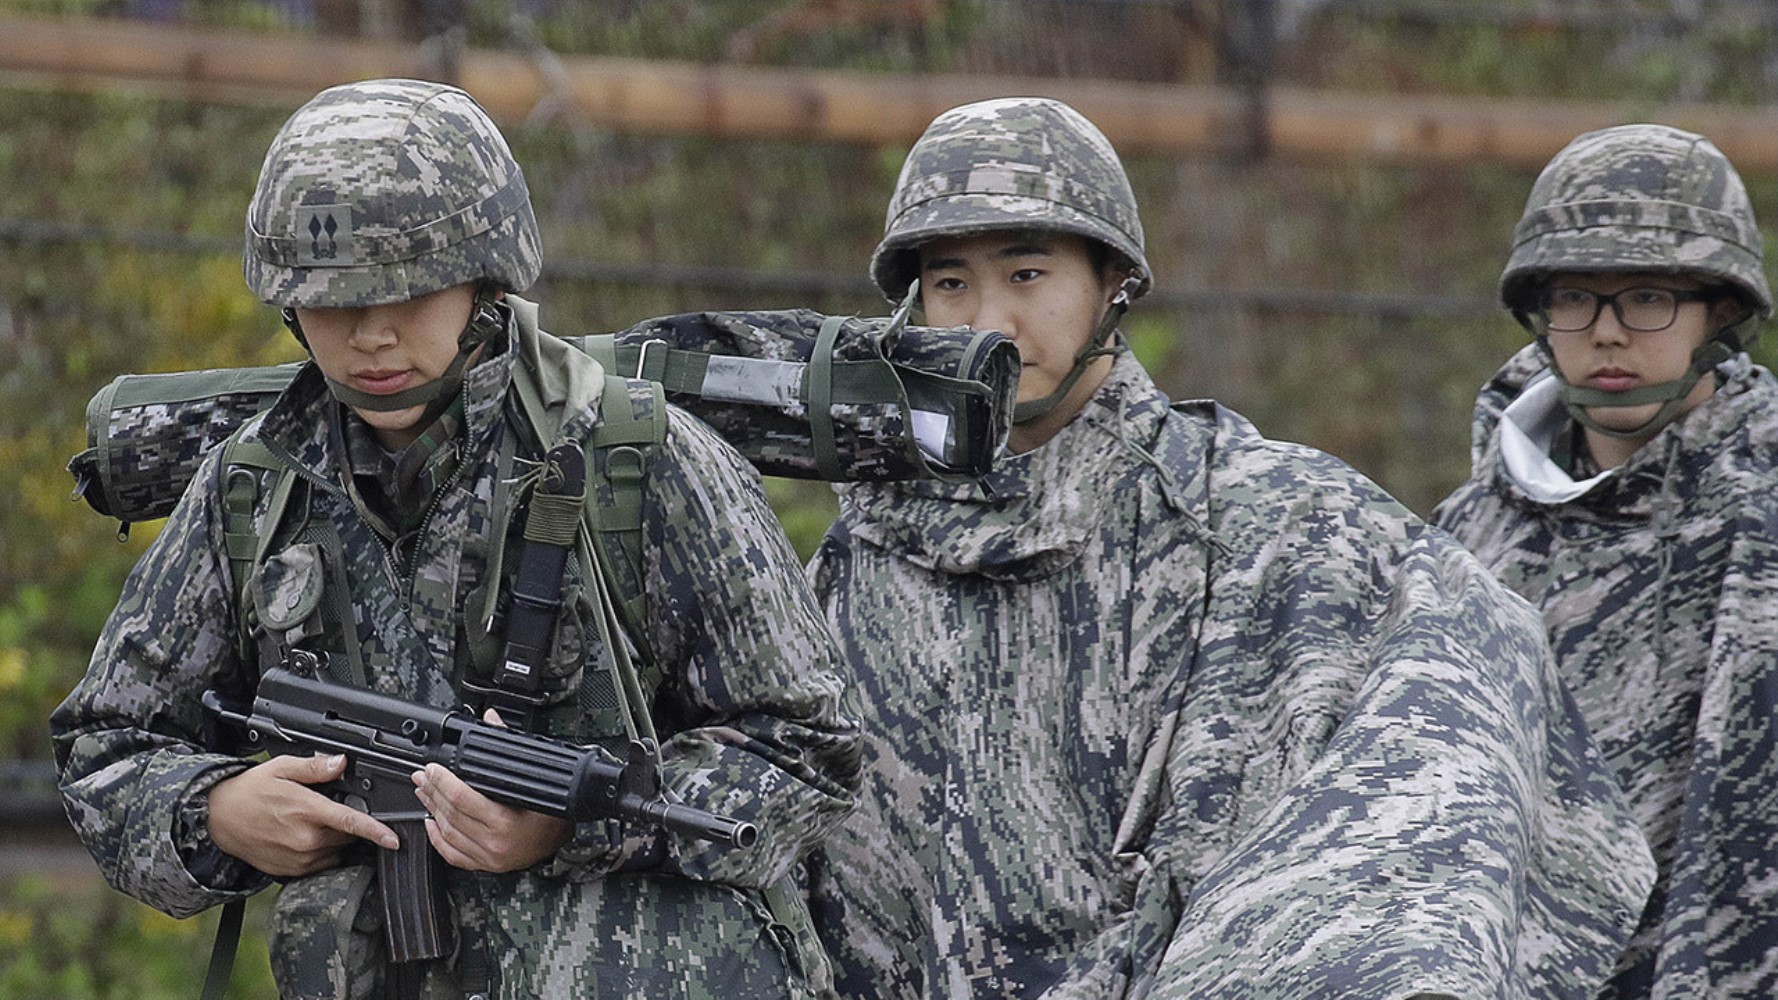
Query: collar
397	486
1527	434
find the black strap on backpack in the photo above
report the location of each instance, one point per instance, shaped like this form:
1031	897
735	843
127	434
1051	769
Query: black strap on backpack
552	521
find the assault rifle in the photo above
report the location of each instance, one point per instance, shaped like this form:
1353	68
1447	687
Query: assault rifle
386	739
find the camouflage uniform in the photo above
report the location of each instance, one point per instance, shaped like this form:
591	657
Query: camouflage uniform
1162	708
1656	579
747	703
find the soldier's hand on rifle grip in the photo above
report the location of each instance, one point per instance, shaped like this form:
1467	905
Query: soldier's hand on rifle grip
475	833
269	817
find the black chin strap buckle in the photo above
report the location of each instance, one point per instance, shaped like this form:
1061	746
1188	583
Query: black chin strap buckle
487	317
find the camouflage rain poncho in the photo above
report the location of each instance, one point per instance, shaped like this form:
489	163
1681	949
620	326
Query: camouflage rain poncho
747	707
1166	709
1658	583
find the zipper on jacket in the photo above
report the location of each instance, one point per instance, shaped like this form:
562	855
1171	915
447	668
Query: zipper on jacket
405	580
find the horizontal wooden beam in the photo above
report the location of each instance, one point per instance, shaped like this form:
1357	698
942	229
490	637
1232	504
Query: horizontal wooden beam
676	98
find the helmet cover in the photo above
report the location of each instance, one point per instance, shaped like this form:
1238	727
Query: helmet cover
1638	198
384	191
1009	163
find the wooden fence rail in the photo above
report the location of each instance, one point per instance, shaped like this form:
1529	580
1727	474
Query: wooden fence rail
645	96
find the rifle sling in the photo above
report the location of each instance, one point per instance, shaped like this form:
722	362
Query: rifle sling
222	953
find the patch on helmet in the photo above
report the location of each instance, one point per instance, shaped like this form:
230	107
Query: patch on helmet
324	236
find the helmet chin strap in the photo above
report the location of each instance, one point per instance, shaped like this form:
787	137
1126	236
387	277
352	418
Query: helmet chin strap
1671	395
1037	409
487	318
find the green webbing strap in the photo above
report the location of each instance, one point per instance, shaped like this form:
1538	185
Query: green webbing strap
241	463
618	446
601	347
240	492
611	556
688	372
651	361
1092	350
821	434
1671	395
554	518
633	696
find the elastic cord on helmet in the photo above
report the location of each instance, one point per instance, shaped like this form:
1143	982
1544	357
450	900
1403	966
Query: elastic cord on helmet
487	318
1037	409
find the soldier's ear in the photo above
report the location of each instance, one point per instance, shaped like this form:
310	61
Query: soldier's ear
1729	310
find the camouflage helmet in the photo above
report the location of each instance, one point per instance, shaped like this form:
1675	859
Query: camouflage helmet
1638	198
384	191
1010	163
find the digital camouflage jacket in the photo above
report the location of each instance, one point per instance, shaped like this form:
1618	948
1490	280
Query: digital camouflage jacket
1166	709
747	708
1658	583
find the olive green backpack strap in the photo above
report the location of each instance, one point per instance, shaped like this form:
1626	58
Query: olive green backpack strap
621	432
632	422
246	468
249	470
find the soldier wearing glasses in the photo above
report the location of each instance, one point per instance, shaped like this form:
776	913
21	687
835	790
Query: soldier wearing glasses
1623	483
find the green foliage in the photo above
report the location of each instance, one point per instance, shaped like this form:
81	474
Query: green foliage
805	509
83	941
76	314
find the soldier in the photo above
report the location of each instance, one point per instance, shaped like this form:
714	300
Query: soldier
390	222
1622	483
1161	707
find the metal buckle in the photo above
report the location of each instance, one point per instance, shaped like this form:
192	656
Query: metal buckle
642	359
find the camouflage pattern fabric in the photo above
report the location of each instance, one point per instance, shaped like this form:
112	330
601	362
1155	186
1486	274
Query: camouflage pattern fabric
1638	198
1011	163
450	204
1166	709
747	708
1659	588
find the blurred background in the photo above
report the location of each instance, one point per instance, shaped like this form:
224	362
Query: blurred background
1328	187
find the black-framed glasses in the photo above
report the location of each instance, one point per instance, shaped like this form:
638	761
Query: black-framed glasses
1645	310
